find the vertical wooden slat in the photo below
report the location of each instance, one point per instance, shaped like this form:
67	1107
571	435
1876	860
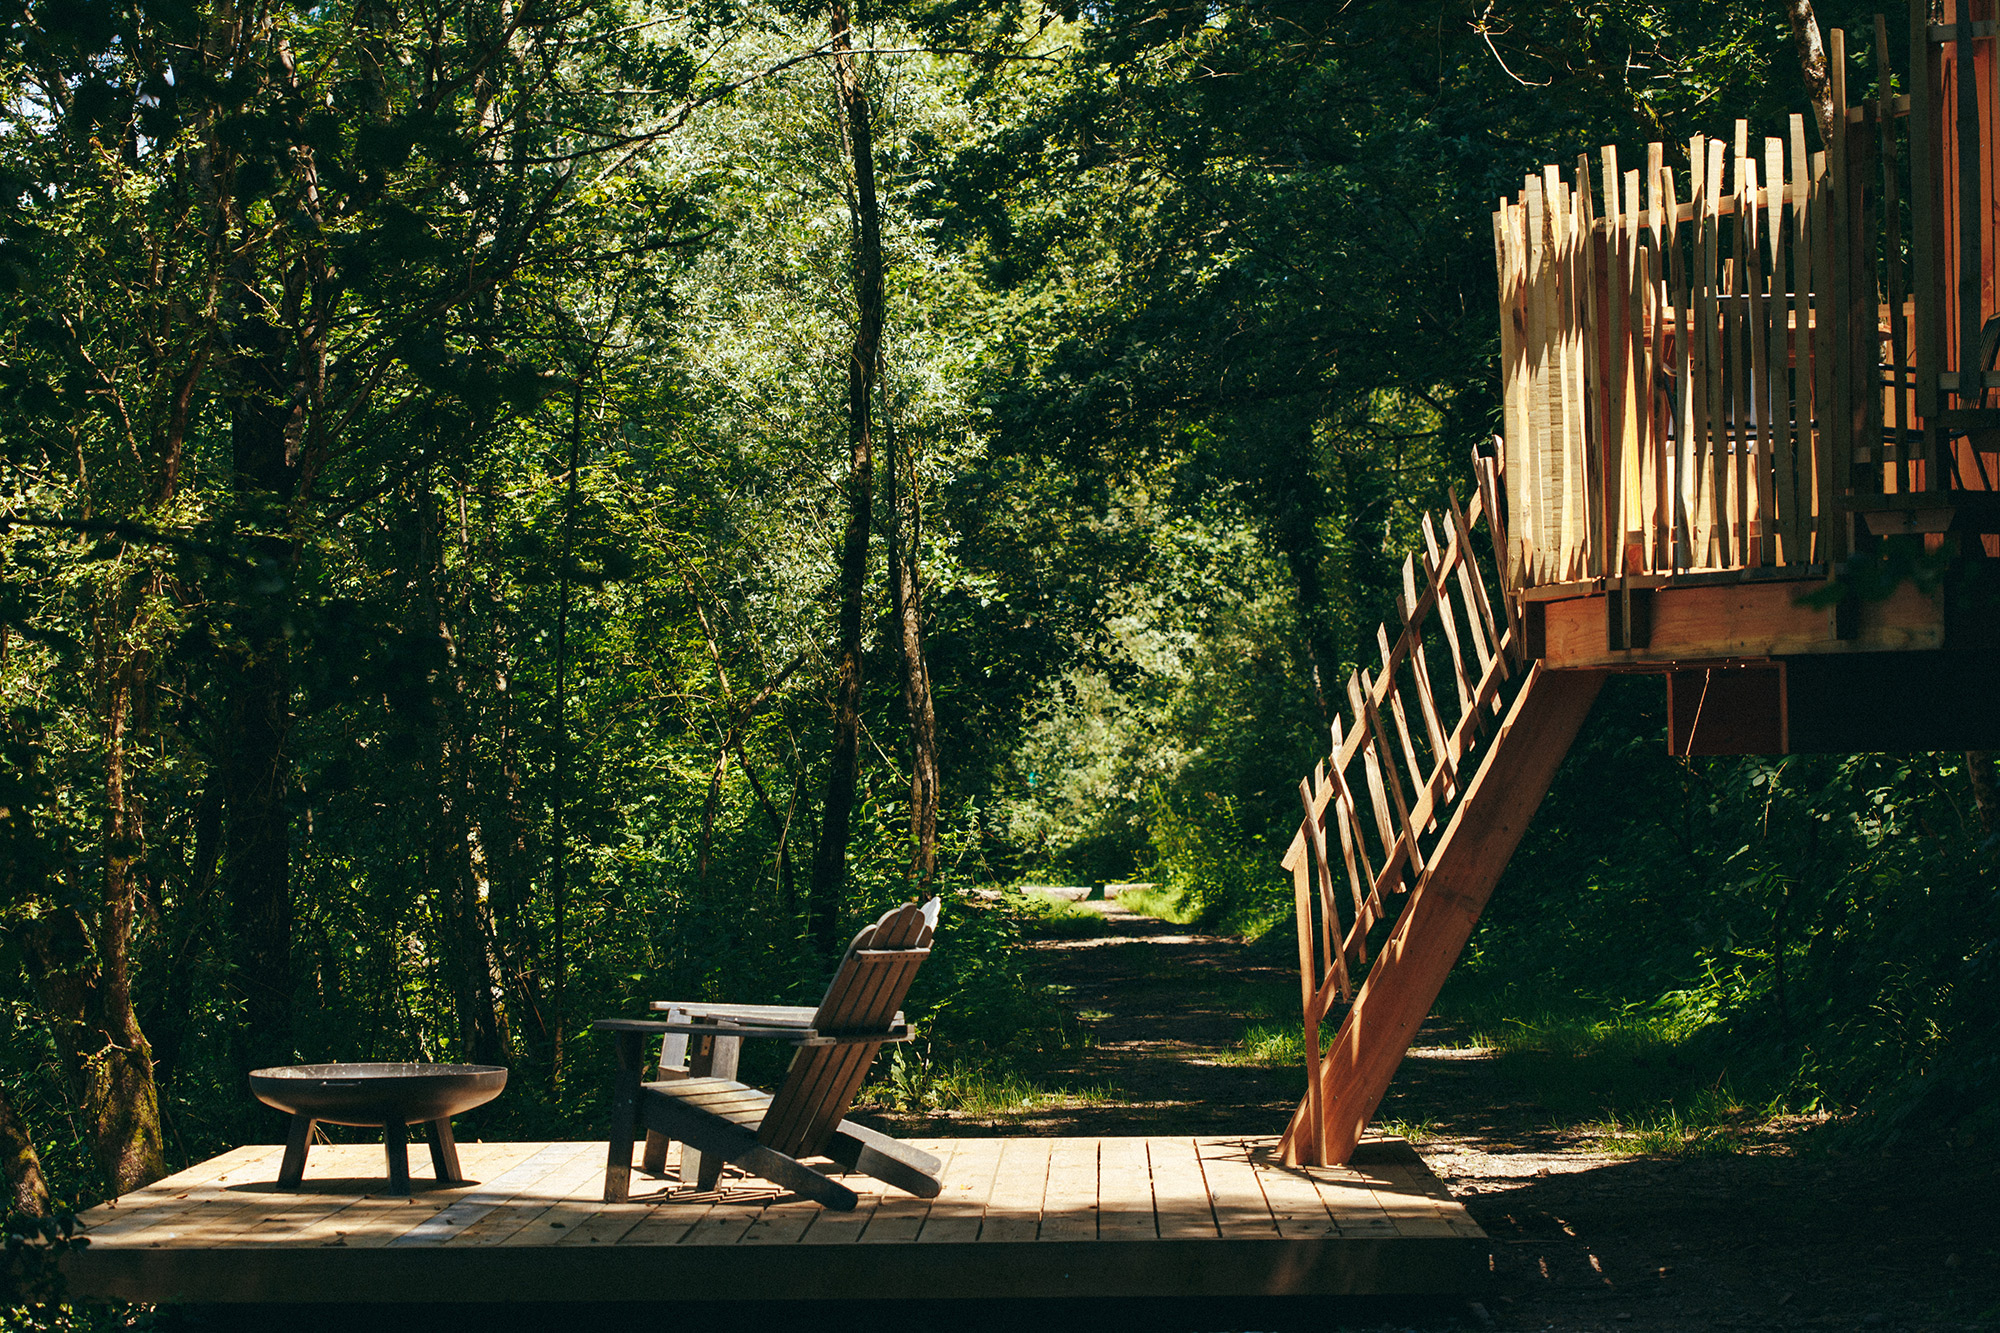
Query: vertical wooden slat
1545	412
1971	226
1777	386
1701	306
1298	862
1332	959
1513	385
1755	223
1660	516
1378	735
1615	386
1715	513
1683	462
1735	337
1826	410
1924	228
1442	753
1864	317
1840	417
1378	797
1738	336
1435	571
1392	694
1637	439
1804	348
1353	848
1892	255
1474	588
1571	211
1581	486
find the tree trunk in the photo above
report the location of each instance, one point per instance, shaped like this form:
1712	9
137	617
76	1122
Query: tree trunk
1812	65
468	962
504	836
20	1165
1295	501
266	421
830	858
906	602
1979	768
117	1067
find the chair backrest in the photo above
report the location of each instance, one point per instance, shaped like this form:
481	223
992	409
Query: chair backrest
862	998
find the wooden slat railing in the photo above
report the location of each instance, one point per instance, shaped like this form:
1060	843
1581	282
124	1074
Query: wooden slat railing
1417	719
1714	367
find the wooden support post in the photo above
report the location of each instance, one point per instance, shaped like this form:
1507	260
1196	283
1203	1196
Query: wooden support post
1442	909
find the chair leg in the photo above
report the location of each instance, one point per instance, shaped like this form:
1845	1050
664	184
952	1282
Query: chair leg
708	1170
396	1142
624	1119
654	1160
712	1057
891	1161
444	1153
297	1141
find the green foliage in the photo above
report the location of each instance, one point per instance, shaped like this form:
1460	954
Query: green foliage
1819	928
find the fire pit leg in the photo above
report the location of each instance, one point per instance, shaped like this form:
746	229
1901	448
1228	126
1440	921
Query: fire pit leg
293	1170
444	1153
396	1137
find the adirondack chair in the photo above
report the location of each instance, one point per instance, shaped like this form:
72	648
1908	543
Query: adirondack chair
718	1119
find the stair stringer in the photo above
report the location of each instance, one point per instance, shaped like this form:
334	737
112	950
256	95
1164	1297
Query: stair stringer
1439	913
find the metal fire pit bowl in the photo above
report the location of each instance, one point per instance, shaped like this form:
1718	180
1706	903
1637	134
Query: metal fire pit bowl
394	1096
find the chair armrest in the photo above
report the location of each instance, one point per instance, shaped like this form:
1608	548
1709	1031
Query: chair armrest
762	1015
799	1036
660	1027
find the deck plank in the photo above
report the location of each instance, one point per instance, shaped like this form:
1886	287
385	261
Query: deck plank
724	1225
583	1168
898	1218
147	1222
1297	1209
503	1189
1234	1192
1180	1194
122	1214
1069	1203
574	1195
959	1210
1014	1209
1125	1191
666	1224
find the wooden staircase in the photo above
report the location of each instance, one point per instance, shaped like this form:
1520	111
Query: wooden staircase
1478	731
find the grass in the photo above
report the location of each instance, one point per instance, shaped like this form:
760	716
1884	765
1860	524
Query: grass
1635	1081
1632	1082
1166	904
914	1082
1711	1124
1269	1044
1046	917
1416	1131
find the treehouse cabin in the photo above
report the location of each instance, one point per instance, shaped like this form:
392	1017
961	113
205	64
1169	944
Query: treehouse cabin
1751	443
1750	418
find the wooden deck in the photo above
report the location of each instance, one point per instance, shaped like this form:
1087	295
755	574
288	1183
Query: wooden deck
1020	1218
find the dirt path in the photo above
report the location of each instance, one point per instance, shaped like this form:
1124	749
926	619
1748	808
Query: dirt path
1780	1237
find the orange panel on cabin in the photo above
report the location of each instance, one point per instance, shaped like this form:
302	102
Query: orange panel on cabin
1726	710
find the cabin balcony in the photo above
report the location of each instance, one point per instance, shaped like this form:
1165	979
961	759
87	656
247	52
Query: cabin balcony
1744	381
